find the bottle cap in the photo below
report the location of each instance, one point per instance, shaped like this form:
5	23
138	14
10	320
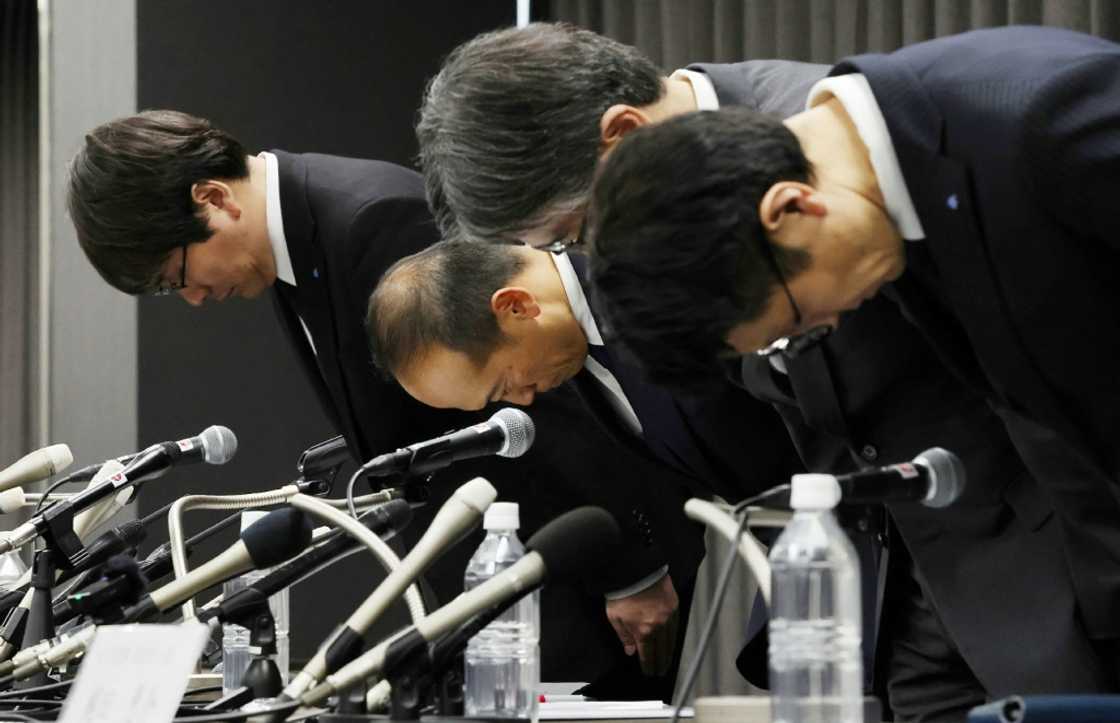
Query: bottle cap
502	516
814	492
248	517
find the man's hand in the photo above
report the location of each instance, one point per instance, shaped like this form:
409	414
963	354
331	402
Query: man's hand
646	623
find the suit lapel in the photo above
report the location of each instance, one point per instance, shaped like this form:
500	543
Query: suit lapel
310	299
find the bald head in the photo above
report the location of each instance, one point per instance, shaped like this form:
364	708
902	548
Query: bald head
440	297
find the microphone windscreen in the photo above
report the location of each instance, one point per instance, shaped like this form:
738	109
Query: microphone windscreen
219	444
947	476
577	543
12	500
278	536
389	519
61	457
519	428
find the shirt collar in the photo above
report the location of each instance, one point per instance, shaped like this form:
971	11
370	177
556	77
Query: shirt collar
702	88
573	289
284	270
854	93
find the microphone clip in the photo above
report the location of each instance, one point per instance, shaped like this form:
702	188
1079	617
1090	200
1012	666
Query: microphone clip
58	533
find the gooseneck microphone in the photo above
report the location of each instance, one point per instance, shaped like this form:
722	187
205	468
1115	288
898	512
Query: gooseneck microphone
384	520
275	538
38	465
508	433
935	478
215	445
564	549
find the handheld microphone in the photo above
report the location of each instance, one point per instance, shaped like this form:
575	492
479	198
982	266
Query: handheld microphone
385	521
936	478
563	549
508	433
38	465
278	536
456	518
215	445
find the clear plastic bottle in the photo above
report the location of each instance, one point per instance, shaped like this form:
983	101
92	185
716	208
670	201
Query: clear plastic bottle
12	567
502	674
816	667
235	639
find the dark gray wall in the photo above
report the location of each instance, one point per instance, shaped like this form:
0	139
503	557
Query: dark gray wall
332	77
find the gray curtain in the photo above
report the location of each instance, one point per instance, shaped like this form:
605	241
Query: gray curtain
677	32
19	203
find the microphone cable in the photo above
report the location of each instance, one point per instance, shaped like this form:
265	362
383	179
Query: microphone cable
721	593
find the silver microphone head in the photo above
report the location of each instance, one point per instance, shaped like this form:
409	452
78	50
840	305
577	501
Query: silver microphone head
947	476
519	430
219	444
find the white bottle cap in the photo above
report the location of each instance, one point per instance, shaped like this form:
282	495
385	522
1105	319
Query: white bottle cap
248	517
814	492
502	516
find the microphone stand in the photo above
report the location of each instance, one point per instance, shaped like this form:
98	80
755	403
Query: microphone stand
40	619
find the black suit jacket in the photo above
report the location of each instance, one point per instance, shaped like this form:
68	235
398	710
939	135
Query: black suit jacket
1009	142
726	442
346	221
875	393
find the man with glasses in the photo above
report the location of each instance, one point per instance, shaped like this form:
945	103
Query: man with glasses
164	203
868	392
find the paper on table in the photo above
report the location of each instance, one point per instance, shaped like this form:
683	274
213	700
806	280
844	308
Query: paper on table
620	710
135	674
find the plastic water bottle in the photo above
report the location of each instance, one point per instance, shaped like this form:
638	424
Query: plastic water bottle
502	673
12	567
816	667
236	652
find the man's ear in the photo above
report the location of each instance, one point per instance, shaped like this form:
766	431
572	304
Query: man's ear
616	122
210	196
512	304
785	199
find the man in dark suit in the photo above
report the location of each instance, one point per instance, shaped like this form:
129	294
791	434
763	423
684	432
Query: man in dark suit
319	230
929	144
855	400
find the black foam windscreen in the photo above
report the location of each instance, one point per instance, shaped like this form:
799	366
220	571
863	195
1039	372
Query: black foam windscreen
577	543
278	536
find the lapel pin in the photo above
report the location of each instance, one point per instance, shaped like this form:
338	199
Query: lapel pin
952	202
315	272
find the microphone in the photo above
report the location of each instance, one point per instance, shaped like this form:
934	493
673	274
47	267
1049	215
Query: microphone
215	445
508	433
278	536
563	549
936	478
384	520
38	465
456	518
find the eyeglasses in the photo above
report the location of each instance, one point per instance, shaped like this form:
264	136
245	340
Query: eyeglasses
791	346
165	288
560	246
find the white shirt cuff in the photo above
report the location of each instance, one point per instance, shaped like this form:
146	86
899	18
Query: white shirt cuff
646	582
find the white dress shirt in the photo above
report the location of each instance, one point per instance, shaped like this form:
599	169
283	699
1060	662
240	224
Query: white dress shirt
702	88
285	273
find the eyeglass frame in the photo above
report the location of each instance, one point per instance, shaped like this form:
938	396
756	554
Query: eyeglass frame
167	290
790	346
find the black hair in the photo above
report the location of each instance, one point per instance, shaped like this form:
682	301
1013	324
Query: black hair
679	255
129	193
